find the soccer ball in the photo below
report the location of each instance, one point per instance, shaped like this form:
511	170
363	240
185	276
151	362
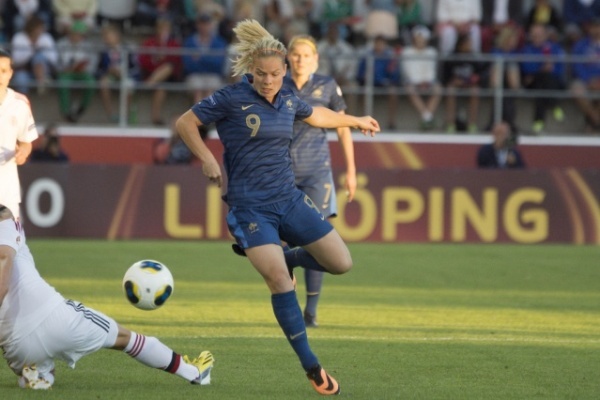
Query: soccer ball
148	284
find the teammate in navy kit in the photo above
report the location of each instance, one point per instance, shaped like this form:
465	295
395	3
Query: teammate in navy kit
254	119
311	160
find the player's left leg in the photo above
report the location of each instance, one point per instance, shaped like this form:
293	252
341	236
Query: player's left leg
322	248
153	353
314	283
80	331
330	252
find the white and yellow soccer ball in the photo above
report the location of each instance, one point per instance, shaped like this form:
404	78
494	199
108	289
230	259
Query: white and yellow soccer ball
148	284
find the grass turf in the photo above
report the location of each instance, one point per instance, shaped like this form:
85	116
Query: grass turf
411	321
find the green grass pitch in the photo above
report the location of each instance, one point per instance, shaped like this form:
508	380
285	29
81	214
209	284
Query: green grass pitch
410	321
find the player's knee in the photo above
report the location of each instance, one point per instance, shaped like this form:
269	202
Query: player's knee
342	264
123	338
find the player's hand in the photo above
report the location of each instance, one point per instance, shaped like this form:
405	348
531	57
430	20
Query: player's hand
20	155
368	125
212	170
350	186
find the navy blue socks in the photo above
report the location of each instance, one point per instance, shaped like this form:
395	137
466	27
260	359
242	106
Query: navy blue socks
288	314
314	281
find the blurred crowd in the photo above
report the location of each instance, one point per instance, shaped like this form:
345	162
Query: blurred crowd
437	53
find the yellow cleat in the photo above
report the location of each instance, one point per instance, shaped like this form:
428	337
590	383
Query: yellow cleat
204	362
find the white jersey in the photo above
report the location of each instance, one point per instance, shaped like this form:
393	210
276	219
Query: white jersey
30	299
16	124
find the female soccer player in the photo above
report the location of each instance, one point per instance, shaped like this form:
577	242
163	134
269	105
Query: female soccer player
254	119
311	160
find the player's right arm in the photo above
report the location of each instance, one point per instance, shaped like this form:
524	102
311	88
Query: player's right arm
7	255
187	126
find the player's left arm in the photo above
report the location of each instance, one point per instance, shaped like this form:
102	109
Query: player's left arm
7	255
22	151
347	145
323	117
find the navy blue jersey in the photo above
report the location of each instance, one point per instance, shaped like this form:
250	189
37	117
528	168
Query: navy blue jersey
310	150
256	136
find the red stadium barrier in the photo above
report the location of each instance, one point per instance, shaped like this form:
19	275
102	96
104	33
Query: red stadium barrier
558	205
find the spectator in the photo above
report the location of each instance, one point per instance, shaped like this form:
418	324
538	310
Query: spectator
496	15
462	73
544	13
241	10
408	15
69	11
193	8
340	12
386	73
279	15
34	56
381	19
77	65
204	61
587	76
419	67
337	57
576	14
49	149
502	152
543	74
148	11
507	50
109	70
456	18
15	14
160	64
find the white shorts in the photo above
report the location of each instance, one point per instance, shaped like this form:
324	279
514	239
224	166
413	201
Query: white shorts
70	332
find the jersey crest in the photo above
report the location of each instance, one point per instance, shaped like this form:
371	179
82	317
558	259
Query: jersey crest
317	92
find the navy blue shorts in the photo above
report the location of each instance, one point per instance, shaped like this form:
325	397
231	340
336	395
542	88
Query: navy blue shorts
296	220
322	192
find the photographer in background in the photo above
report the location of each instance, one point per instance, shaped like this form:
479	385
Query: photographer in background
49	149
502	152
